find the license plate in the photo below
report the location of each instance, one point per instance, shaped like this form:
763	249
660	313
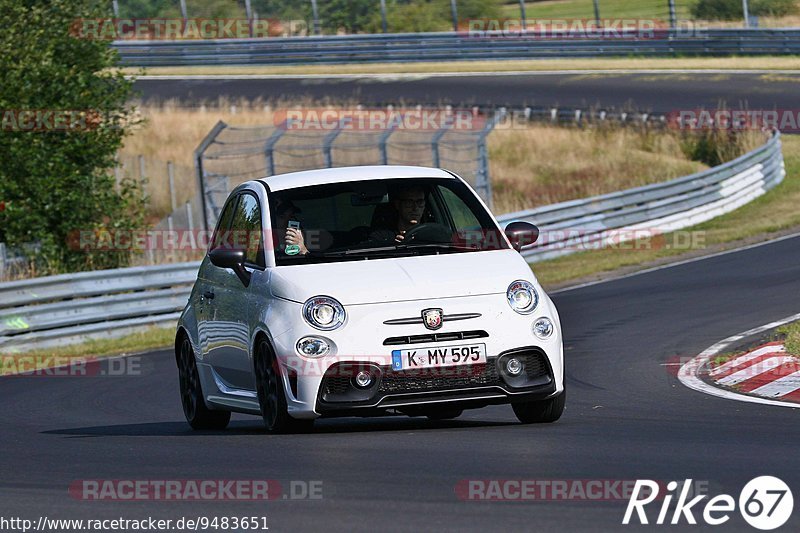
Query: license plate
438	356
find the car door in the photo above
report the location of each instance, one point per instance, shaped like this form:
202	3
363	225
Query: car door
231	325
208	280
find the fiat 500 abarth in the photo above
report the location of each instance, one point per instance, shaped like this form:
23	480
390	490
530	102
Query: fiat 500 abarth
366	291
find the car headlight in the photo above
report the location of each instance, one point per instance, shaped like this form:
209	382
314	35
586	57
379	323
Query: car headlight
522	297
323	312
313	347
543	328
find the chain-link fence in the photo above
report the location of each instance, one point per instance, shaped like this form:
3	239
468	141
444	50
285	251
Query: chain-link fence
445	138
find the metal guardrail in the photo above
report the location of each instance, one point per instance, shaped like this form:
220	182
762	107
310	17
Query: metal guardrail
652	210
418	47
69	308
57	310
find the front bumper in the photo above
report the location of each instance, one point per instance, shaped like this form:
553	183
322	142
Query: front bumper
364	341
457	387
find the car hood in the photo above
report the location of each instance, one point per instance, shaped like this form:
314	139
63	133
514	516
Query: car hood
402	279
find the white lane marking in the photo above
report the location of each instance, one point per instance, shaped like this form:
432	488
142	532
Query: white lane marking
755	370
389	76
688	372
779	387
742	359
678	263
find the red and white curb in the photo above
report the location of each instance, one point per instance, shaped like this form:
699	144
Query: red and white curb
765	375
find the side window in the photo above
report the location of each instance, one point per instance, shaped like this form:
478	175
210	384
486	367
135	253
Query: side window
246	229
463	217
222	232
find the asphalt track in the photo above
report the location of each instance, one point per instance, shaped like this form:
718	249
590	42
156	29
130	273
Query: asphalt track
627	417
651	92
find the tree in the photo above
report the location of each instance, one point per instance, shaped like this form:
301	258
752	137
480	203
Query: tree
55	184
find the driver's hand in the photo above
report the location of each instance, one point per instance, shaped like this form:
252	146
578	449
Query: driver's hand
400	237
295	236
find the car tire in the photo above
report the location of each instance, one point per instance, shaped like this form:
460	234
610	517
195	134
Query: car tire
195	410
271	395
542	411
444	414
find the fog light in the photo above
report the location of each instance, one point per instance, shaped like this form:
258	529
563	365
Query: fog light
313	347
543	328
514	366
363	379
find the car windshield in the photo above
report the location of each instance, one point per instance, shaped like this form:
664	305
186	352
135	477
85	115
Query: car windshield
378	219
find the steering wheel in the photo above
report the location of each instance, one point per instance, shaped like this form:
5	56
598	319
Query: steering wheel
428	231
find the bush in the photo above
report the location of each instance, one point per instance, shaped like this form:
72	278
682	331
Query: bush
54	184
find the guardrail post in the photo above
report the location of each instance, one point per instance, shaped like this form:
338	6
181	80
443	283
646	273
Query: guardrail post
597	13
249	14
673	17
198	162
315	14
746	10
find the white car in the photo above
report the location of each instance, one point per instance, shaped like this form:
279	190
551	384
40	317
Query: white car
366	291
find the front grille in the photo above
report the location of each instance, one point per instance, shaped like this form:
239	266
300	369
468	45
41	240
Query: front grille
436	379
337	385
535	364
436	337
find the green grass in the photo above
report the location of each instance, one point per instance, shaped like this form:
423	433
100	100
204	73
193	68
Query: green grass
609	9
792	341
773	212
150	339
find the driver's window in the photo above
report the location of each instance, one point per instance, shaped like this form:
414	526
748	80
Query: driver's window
222	237
246	229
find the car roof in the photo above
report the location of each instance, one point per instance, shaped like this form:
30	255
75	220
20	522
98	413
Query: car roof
344	174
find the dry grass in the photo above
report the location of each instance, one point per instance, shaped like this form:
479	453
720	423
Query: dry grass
172	133
543	165
530	166
774	212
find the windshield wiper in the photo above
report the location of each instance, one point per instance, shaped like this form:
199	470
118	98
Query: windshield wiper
359	251
438	246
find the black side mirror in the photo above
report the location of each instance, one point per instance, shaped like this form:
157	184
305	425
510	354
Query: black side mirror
233	259
522	234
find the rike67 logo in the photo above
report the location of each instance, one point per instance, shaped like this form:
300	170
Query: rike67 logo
765	503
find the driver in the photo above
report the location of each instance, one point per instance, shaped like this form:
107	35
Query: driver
408	205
